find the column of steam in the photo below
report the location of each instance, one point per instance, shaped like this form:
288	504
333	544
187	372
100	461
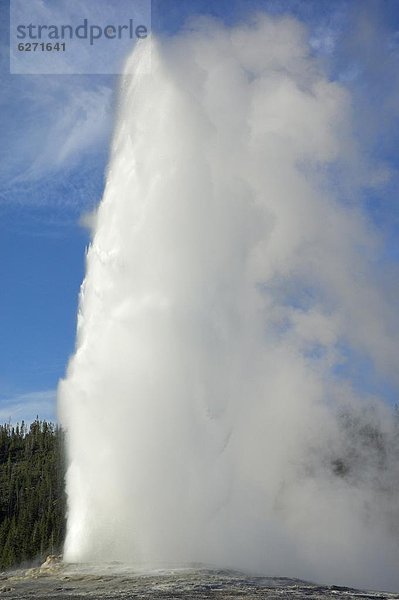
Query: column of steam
197	413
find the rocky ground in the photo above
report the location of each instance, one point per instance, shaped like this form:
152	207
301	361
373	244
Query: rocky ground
53	580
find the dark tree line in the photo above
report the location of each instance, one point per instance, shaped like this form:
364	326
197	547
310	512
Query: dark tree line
32	497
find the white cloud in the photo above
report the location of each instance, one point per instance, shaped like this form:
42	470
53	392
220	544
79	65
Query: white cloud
79	123
28	405
50	126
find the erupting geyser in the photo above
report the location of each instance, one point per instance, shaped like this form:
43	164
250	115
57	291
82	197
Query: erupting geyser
227	280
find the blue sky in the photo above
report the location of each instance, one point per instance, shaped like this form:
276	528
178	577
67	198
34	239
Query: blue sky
55	137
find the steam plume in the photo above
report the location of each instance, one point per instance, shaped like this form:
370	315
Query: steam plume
227	284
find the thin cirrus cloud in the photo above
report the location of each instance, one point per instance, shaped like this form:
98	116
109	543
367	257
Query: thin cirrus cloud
78	126
59	122
57	135
56	127
27	406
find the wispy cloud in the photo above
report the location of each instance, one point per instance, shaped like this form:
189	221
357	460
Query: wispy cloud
53	129
59	124
28	405
56	131
55	137
80	122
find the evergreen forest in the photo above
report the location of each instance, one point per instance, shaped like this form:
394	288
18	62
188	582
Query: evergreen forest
32	497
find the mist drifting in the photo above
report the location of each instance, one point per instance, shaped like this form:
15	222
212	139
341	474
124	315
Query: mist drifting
228	285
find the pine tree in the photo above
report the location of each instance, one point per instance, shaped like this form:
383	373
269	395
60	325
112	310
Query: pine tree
32	499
